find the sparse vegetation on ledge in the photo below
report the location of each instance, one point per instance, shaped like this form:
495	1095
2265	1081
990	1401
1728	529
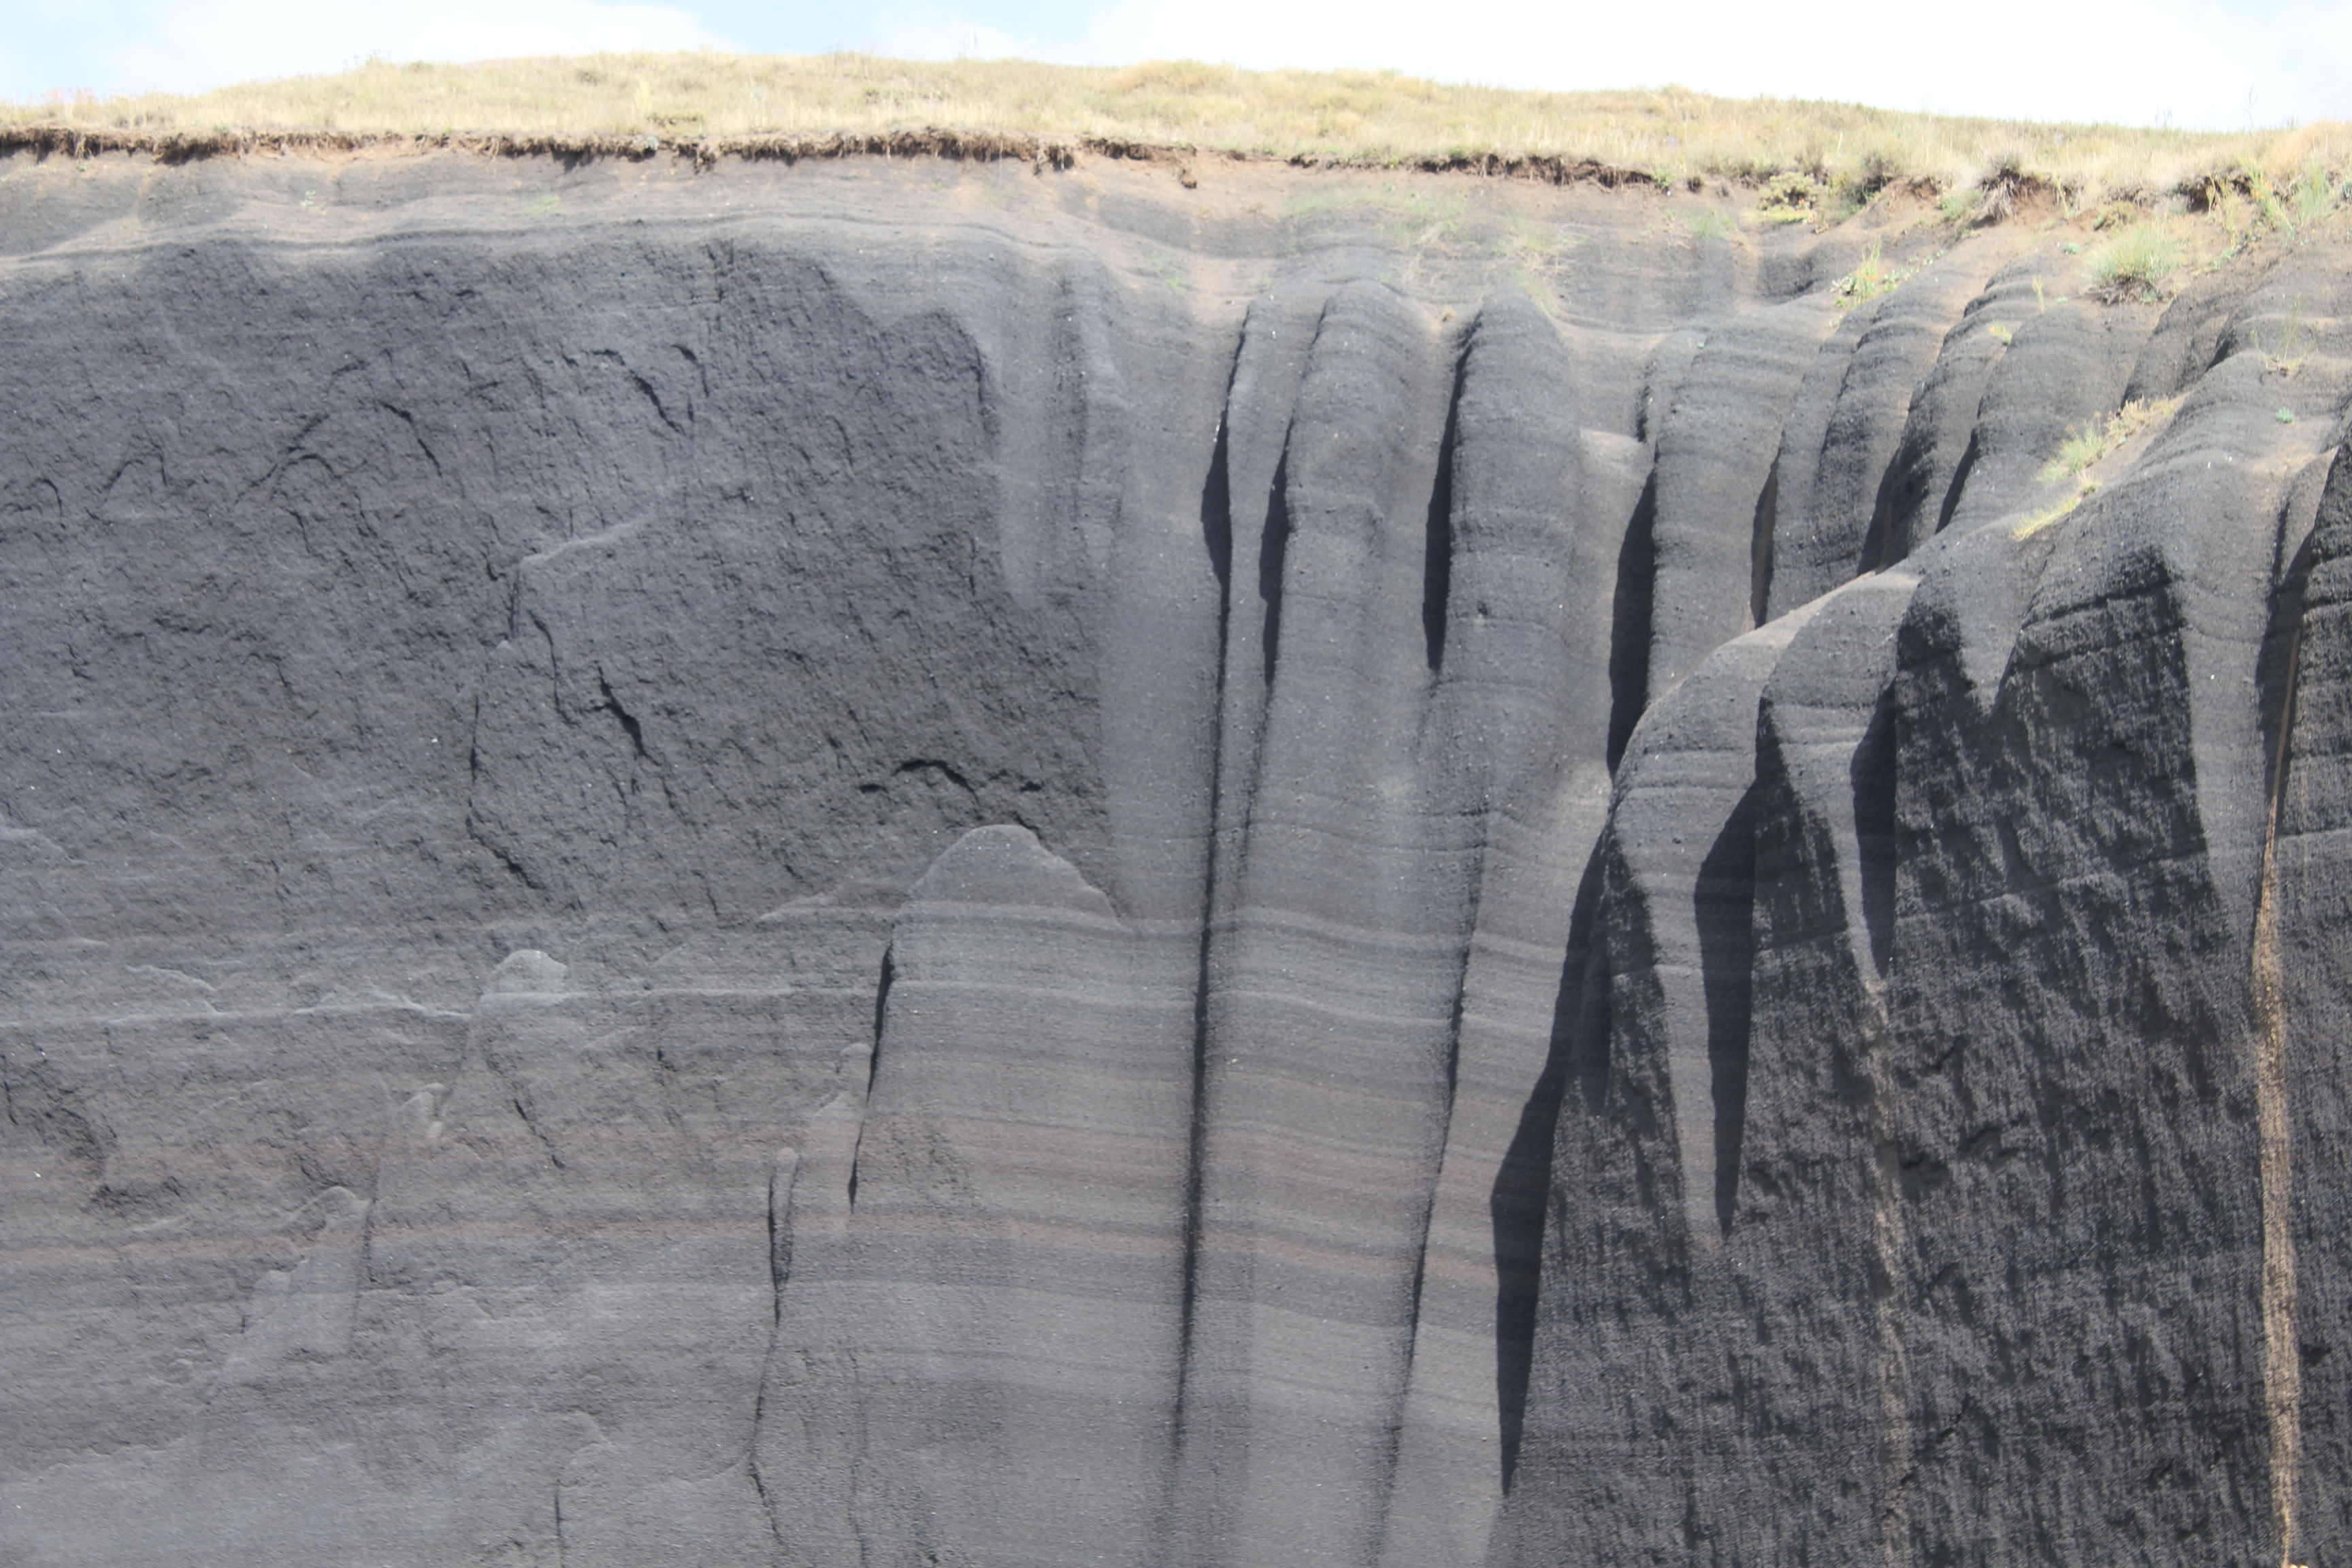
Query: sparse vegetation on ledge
801	106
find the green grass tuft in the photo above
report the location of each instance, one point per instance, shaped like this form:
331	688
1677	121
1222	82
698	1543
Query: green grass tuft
2085	447
2135	265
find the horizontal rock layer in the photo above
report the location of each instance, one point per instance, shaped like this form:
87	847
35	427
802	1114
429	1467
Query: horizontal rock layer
946	863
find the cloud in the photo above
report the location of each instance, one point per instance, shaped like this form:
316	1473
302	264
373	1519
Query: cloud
16	72
940	33
183	45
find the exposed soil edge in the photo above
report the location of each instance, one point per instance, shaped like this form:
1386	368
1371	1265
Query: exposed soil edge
189	146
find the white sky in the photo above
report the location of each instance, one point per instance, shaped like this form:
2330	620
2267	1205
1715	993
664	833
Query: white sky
2190	63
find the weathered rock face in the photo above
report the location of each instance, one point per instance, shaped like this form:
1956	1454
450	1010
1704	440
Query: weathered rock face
913	863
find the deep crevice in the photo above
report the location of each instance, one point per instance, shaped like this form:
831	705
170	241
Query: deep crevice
751	1466
780	1244
1723	903
1630	622
1436	589
1437	552
1217	522
1873	554
1271	551
1873	777
1216	529
1759	548
2274	667
1960	483
1393	1448
1901	492
628	722
1516	1204
882	985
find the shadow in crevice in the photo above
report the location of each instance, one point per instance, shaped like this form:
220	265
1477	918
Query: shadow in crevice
1724	902
889	977
1759	548
2274	674
1217	532
1630	622
1271	551
1873	776
1217	522
1873	554
1437	557
1958	486
1521	1195
1902	491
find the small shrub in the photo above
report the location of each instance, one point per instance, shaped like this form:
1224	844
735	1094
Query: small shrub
1870	277
1851	191
2080	449
2135	265
2288	357
1710	223
2000	187
2232	209
1788	198
2268	202
2313	197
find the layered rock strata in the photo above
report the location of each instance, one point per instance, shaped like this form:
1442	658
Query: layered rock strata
945	863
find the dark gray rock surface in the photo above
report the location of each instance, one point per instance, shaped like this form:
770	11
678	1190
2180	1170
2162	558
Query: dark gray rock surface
901	862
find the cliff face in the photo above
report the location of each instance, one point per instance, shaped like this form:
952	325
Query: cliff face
902	862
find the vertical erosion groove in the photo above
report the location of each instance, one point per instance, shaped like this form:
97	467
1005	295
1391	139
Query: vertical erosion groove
1873	537
782	1171
1437	558
1759	549
1882	516
873	1062
1873	776
1217	534
1272	549
1522	1187
1958	486
881	1008
2282	1353
1724	901
1436	586
1217	531
1890	1245
1630	618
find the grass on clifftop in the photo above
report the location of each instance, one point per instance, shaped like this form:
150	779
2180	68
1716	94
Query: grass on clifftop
1670	134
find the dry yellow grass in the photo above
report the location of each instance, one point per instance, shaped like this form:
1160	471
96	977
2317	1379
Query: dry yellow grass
2083	450
1375	118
